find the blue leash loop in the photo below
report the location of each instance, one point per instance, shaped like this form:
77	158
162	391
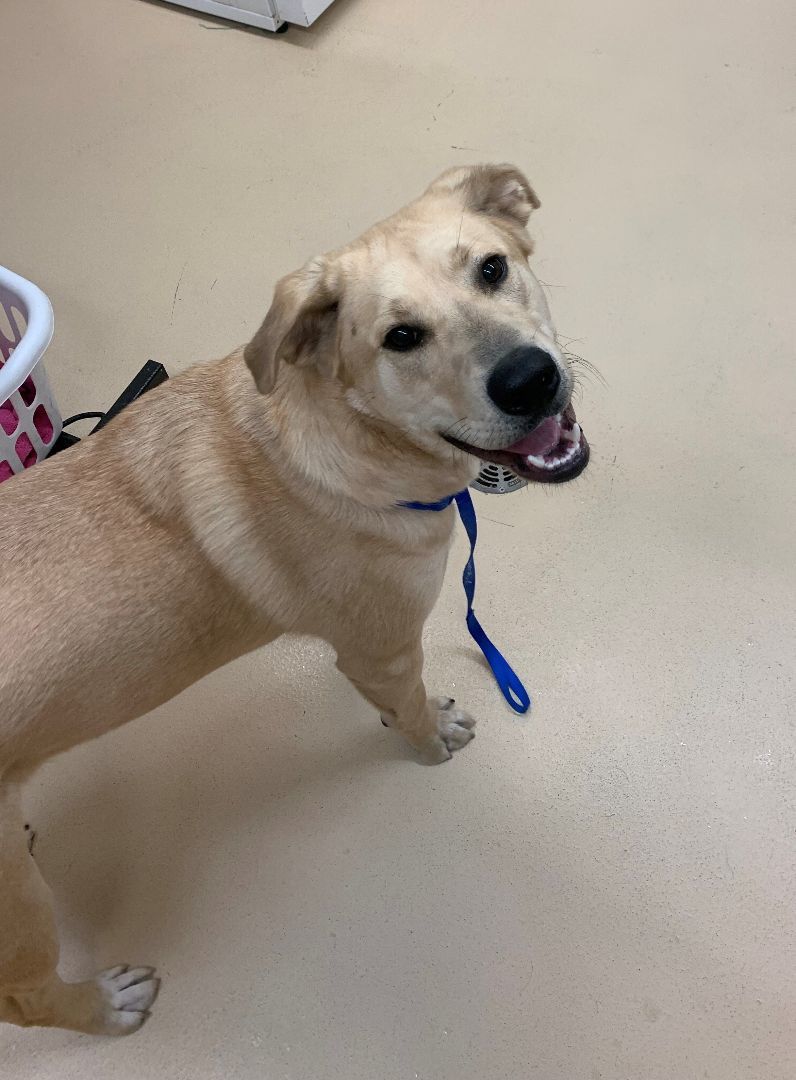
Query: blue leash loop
507	679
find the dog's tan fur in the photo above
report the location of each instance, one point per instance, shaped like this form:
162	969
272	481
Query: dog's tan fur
210	518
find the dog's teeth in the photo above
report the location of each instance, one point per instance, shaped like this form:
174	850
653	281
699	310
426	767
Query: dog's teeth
569	452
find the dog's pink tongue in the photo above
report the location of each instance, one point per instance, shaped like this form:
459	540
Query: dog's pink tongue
540	441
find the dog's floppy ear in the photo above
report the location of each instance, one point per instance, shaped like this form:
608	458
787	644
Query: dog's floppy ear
501	190
302	318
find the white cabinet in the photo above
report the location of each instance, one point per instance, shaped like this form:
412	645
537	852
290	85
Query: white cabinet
266	14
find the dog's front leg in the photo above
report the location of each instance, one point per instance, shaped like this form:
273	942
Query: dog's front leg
391	678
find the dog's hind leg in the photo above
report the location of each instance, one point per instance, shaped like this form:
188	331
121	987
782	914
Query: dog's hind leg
116	1002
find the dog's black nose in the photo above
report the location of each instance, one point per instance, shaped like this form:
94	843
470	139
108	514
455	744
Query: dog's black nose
524	382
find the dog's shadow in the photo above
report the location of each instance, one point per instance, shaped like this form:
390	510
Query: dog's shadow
130	827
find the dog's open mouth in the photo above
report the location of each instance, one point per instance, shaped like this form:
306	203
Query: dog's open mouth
556	450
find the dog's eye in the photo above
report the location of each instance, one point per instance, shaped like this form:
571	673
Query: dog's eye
493	269
403	338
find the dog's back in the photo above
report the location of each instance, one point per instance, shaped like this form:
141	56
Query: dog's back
119	590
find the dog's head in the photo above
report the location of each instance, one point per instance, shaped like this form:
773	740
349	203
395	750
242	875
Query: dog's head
434	325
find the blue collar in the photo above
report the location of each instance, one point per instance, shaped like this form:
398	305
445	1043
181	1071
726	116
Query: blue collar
443	504
509	682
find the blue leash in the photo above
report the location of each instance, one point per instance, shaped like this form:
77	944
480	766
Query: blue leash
507	679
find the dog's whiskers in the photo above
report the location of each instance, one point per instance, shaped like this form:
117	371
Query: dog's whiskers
453	430
586	366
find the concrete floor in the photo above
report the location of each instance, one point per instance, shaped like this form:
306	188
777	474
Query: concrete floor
604	890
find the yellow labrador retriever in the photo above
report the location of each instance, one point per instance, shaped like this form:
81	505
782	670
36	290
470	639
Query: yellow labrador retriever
266	489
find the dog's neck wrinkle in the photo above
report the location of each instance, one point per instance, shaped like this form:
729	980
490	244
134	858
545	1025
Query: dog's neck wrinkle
329	445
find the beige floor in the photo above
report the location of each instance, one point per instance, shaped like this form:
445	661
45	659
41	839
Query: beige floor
604	890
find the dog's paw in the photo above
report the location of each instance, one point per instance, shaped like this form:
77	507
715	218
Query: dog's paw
127	995
454	730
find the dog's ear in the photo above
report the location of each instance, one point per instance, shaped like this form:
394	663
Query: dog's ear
500	190
300	327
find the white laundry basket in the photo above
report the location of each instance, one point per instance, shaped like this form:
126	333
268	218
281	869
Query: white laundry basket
29	418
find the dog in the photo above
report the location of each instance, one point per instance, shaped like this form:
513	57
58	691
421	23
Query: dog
266	488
